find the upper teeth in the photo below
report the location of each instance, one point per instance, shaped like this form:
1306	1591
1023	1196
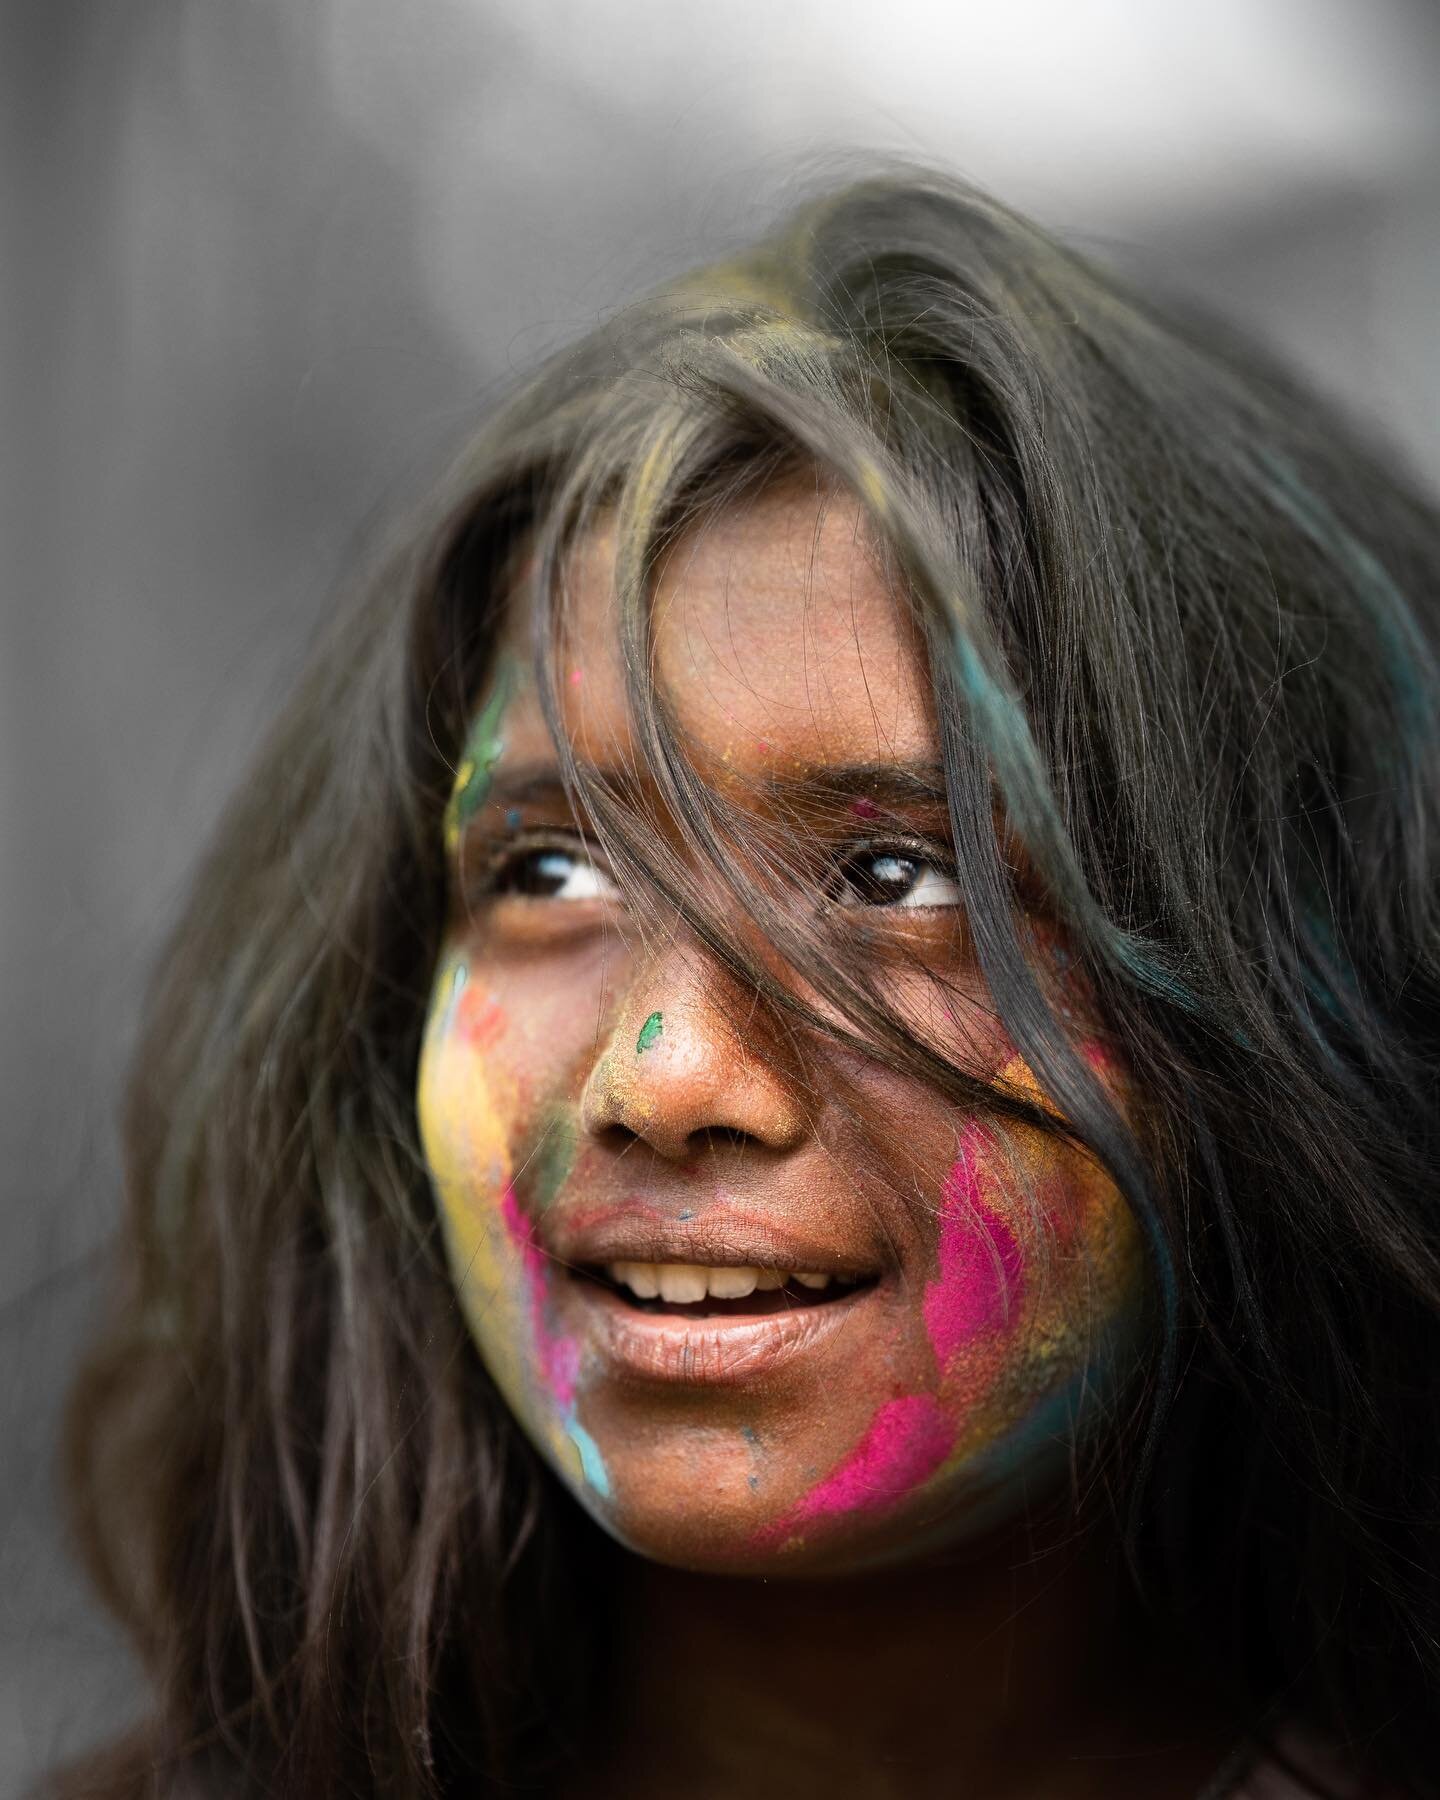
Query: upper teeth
683	1283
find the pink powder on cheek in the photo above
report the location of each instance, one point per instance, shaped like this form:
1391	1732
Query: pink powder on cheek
559	1356
906	1442
982	1273
478	1018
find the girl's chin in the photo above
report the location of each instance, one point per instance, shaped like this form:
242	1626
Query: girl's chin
702	1525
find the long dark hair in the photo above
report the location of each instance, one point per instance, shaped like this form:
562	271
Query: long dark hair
1184	622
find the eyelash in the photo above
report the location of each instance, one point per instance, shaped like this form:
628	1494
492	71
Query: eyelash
927	858
924	856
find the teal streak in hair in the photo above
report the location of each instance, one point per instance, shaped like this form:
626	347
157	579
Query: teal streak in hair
1408	659
1322	983
1163	1263
1322	929
1007	723
1007	730
1149	973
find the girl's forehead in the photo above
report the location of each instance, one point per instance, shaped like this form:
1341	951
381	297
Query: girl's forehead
779	637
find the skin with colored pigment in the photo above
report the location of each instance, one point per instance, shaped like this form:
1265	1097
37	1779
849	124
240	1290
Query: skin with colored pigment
593	1082
502	1273
482	750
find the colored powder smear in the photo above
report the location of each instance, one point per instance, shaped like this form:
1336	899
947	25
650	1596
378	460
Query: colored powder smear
649	1032
559	1356
592	1464
459	977
752	1443
981	1269
865	809
907	1441
553	1157
478	1018
1098	1057
483	748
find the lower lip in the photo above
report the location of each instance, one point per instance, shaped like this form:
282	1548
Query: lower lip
668	1349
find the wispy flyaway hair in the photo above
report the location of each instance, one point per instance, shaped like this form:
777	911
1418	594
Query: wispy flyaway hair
1183	626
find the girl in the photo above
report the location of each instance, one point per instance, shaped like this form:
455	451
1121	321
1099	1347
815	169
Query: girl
790	1146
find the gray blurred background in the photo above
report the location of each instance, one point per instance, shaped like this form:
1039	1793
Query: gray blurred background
265	261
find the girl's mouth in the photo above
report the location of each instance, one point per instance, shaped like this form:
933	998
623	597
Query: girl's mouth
699	1325
694	1291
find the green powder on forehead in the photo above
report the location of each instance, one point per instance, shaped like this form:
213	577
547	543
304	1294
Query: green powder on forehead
482	751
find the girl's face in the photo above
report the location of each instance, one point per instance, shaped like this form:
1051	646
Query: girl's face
759	1316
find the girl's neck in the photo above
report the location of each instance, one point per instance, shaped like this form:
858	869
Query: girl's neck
1014	1669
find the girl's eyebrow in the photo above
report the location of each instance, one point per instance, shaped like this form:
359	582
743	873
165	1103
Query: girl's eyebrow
881	783
514	784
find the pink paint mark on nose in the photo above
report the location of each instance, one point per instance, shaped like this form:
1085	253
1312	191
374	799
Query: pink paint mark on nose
576	677
559	1356
981	1269
905	1443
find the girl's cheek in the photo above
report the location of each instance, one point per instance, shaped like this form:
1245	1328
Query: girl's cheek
1036	1278
1039	1286
463	1131
473	1111
465	1136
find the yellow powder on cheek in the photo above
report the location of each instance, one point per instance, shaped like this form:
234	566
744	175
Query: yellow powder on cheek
463	1136
1098	1238
467	1113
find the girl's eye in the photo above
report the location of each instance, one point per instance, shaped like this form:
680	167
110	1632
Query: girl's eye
551	872
893	877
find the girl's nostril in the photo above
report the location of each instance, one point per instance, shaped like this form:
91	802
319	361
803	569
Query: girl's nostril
720	1137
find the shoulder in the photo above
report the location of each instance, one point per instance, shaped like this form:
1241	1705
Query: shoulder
1300	1768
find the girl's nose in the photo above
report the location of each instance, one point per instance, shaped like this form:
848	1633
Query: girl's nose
677	1069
